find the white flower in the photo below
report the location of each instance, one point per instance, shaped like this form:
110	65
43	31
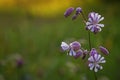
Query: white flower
94	62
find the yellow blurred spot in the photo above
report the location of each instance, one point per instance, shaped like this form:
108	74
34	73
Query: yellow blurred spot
44	8
47	9
7	3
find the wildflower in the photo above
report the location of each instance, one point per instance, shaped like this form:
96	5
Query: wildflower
68	11
73	49
93	22
94	62
104	50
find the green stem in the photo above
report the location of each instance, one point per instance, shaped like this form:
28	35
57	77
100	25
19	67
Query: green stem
95	76
89	39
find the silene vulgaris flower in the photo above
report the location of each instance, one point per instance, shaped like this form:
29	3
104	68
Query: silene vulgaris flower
95	60
73	49
93	24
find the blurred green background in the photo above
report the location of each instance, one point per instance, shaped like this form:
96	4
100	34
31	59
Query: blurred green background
31	32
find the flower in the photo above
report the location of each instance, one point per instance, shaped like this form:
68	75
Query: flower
93	22
73	49
68	12
104	50
94	62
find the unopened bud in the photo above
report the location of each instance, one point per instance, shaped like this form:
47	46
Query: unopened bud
68	12
104	50
78	10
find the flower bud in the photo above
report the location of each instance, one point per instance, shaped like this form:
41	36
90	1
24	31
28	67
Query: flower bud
78	10
75	45
68	11
74	17
104	50
93	51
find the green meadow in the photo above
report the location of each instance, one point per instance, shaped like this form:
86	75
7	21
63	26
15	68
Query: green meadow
36	40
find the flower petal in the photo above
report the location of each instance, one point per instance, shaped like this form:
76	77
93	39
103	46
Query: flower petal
72	53
96	69
89	27
99	16
64	46
91	66
98	58
102	18
101	25
88	23
91	59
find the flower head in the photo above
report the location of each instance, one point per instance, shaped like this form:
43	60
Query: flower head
68	12
93	22
94	62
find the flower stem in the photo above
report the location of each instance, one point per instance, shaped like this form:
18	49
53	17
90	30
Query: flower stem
95	76
89	39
